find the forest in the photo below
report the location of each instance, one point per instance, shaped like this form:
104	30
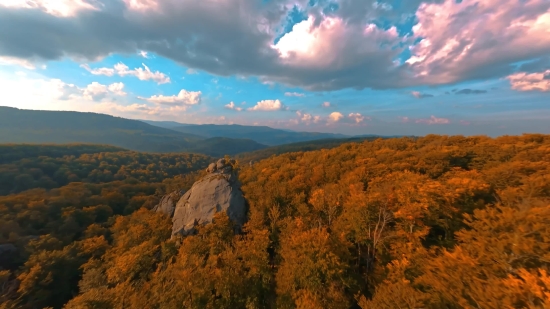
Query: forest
433	222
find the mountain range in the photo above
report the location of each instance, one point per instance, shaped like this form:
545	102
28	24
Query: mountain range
261	134
61	127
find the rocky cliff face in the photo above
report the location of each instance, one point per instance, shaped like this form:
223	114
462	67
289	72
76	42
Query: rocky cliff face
167	204
218	191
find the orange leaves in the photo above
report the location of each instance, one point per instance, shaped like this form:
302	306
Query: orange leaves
311	271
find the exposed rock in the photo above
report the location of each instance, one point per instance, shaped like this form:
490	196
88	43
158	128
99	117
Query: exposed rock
216	192
220	164
167	203
211	168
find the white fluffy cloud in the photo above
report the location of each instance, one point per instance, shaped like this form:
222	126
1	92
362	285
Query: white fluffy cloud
530	82
268	106
117	88
325	104
31	91
184	97
232	106
356	117
93	92
307	118
123	70
335	116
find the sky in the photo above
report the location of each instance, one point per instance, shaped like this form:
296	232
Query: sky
389	67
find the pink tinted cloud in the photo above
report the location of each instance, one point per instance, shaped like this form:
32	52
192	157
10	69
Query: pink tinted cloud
142	5
464	122
476	38
323	46
530	82
58	8
433	120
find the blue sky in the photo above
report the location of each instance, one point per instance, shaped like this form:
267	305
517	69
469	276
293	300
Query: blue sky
345	66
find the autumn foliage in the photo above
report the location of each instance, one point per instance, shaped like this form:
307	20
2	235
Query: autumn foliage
434	222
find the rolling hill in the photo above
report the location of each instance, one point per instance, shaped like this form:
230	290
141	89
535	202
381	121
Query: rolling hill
261	134
61	127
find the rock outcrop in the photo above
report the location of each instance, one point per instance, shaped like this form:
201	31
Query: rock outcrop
167	204
218	191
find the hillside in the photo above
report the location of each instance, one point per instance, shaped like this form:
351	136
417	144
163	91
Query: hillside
60	127
432	222
220	146
301	146
24	167
261	134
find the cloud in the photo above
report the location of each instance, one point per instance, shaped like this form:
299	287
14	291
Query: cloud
184	97
268	106
404	119
36	92
464	122
537	65
356	117
59	8
328	53
144	54
192	71
232	106
325	104
530	82
433	120
116	88
474	39
308	118
98	71
95	91
330	50
420	95
294	94
92	92
343	51
123	70
335	117
17	61
469	91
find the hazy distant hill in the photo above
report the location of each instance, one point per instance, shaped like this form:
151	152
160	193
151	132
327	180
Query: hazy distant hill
220	146
165	124
261	134
60	127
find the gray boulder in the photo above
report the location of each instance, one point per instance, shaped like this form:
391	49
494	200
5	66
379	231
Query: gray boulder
167	203
211	168
216	192
220	164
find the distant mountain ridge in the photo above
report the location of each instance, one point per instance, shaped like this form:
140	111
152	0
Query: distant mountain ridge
62	127
22	126
261	134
